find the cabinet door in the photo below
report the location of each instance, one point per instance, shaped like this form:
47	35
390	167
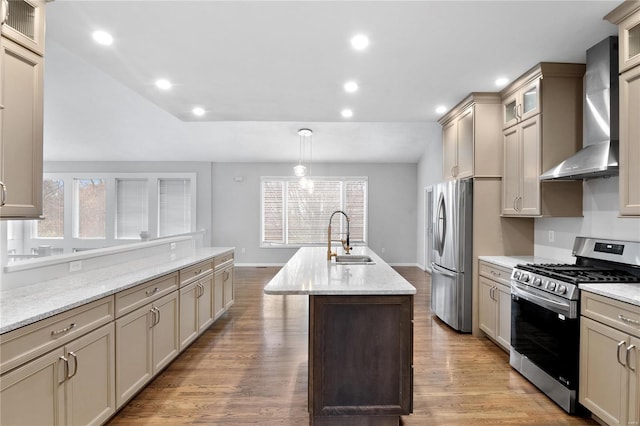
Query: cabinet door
630	142
450	150
511	179
21	131
629	36
205	303
25	24
510	110
530	101
603	380
529	203
465	144
165	331
188	314
487	307
229	296
133	353
503	309
90	389
33	394
218	293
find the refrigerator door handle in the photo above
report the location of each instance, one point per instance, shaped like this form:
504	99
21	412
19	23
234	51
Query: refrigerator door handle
442	271
441	216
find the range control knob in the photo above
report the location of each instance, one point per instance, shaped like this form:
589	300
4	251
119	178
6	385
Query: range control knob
537	281
551	286
525	278
562	289
517	274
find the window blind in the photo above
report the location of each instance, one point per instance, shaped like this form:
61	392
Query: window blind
174	206
131	208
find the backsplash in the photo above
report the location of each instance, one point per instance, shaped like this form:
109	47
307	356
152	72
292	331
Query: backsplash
600	220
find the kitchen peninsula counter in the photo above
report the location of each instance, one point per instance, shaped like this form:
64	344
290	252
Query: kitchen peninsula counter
360	337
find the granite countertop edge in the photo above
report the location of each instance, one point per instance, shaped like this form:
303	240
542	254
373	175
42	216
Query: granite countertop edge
28	304
628	293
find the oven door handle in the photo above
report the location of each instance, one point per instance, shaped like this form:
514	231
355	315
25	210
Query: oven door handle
558	307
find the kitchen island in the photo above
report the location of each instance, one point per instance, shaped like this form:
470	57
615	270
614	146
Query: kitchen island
360	337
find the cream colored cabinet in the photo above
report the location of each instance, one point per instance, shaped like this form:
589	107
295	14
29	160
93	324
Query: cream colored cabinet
494	306
229	289
21	121
470	138
196	309
627	17
23	22
224	291
542	120
610	359
74	384
218	293
146	341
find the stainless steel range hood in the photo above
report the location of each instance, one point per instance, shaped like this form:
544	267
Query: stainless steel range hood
599	155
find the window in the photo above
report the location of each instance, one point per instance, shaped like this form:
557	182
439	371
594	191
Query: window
132	208
174	206
52	226
293	215
90	208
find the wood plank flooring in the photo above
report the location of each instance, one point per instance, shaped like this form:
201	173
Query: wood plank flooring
250	367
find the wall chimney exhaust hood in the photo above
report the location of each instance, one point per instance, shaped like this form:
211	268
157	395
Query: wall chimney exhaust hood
599	155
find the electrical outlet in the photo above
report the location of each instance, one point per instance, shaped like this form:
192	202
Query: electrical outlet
75	266
552	236
173	246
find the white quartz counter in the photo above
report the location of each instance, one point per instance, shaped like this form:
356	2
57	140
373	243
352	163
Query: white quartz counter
511	261
629	293
27	304
309	272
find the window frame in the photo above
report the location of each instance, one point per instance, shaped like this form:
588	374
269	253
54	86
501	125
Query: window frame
286	180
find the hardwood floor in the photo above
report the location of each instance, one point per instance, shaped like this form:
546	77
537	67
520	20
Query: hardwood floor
250	367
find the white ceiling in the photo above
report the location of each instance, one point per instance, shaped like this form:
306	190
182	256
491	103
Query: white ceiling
263	69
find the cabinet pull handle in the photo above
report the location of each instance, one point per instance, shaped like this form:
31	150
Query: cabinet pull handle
5	11
75	364
628	358
620	345
153	317
201	290
152	292
226	275
158	311
514	203
629	320
198	272
495	274
3	194
64	330
66	368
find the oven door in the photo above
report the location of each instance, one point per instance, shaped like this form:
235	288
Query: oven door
546	331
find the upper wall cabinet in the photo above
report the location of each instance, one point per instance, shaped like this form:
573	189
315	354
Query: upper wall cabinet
542	122
471	138
21	100
23	22
627	16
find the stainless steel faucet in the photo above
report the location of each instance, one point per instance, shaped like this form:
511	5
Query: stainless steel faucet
345	243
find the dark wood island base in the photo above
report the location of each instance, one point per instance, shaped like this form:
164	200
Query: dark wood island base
360	359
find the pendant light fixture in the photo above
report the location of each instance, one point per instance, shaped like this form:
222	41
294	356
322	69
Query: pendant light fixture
300	169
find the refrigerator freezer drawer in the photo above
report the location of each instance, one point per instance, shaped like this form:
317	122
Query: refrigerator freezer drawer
451	297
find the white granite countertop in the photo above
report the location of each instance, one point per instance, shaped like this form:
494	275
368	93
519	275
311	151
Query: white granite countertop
629	293
511	261
309	272
27	304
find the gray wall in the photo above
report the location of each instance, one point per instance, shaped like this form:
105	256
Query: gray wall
392	208
429	173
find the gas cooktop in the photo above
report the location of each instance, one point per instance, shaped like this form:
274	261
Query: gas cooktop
580	274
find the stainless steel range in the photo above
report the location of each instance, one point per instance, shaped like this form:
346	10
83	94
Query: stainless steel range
545	311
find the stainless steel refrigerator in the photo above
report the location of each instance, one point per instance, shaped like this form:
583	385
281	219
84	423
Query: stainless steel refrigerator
452	253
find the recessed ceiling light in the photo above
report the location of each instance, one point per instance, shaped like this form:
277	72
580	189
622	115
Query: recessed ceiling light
347	113
360	42
441	109
500	82
198	111
163	84
102	38
351	86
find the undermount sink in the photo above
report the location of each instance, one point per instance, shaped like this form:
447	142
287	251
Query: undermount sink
351	259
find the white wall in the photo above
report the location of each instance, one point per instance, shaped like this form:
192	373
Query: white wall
392	208
429	173
601	220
